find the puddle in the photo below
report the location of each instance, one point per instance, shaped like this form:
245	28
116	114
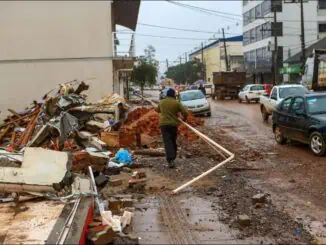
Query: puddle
202	221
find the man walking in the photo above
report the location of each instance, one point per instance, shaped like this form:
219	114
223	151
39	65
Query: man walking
169	108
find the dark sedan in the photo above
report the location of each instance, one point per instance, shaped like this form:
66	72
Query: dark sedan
303	119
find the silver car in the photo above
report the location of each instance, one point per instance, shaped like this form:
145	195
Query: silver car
196	102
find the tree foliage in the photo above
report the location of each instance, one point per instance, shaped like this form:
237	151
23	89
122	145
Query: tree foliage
145	72
188	72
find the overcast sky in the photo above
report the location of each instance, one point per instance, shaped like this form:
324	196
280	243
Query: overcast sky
163	13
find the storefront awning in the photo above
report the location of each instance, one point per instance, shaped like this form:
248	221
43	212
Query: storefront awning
293	69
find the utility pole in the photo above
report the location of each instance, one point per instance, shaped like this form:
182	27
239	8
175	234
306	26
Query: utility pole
180	60
167	63
186	58
226	53
303	48
202	60
275	48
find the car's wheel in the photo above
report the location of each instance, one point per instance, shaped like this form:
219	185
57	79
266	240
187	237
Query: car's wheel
264	114
317	144
248	101
279	137
209	114
257	101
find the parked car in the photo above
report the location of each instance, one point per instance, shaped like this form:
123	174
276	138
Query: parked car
251	92
196	102
269	103
209	89
303	119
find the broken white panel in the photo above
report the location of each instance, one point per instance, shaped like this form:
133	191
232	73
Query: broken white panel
40	167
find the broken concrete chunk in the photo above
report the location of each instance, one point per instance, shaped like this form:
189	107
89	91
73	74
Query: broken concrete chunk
115	182
244	220
101	180
258	205
126	170
105	236
126	219
259	198
40	171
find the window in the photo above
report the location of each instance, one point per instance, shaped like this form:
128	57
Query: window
290	91
317	104
274	94
252	15
252	35
266	7
258	11
257	88
322	27
259	53
298	106
246	37
322	4
266	30
246	18
286	105
258	33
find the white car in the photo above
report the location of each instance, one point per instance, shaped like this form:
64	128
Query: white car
251	92
196	102
208	89
280	92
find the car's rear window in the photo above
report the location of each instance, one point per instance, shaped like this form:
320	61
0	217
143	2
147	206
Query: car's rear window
191	95
292	91
257	88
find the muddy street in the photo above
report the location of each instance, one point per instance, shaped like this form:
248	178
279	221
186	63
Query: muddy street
289	177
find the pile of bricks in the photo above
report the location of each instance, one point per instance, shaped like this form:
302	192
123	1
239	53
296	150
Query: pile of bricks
147	121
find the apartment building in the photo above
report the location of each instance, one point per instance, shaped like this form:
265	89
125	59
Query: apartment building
213	56
45	43
259	31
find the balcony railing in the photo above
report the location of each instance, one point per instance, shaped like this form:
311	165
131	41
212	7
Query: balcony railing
123	44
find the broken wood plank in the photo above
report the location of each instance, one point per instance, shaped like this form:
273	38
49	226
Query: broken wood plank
29	130
17	120
4	132
14	112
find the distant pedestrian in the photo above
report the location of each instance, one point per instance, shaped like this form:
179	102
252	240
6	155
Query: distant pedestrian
202	89
169	108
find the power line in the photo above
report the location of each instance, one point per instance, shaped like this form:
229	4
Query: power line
174	37
203	11
187	30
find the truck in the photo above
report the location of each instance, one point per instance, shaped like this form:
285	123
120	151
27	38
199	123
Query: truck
227	84
314	77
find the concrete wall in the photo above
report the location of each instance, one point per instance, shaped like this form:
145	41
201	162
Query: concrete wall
45	43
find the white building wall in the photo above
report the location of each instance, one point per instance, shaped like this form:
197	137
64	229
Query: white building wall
50	42
290	16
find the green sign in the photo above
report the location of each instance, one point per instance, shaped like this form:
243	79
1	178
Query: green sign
294	69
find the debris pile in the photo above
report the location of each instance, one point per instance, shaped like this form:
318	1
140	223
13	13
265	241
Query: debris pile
146	120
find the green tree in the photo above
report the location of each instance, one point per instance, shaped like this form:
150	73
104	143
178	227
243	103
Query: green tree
145	72
188	72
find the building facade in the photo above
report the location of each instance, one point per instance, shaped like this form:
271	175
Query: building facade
46	43
259	31
213	56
